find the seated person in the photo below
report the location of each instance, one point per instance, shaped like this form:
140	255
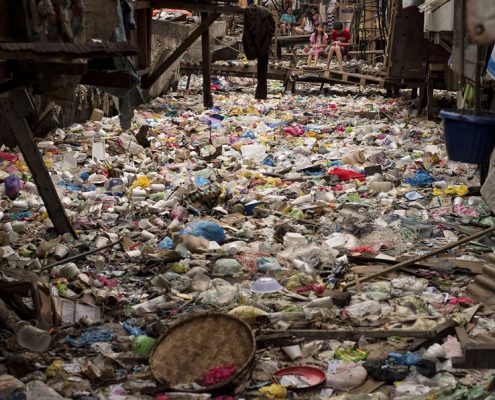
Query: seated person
307	26
315	14
319	41
340	41
288	20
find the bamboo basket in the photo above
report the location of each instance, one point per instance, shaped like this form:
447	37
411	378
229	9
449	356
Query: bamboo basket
197	344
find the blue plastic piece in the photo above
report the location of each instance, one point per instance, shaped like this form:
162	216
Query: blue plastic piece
269	160
84	176
21	215
90	335
469	138
421	178
206	229
249	135
407	359
166	244
201	181
132	330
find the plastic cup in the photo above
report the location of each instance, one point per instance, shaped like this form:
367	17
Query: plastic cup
293	352
60	251
133	253
19	226
145	235
101	241
100	263
32	338
111	301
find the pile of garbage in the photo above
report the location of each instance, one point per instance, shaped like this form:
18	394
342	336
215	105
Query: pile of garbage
270	212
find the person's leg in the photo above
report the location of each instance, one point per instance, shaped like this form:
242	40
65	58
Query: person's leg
317	54
338	52
309	58
283	28
298	30
330	55
262	87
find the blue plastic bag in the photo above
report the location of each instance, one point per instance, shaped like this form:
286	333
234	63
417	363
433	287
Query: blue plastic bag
206	229
269	160
408	359
421	178
166	244
201	181
12	186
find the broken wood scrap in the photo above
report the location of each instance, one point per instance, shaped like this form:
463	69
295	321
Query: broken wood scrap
422	257
467	269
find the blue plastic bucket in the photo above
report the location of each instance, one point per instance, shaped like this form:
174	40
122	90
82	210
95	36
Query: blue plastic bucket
469	138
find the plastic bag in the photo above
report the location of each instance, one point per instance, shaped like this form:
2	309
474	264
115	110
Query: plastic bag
220	293
421	178
206	229
343	375
166	244
143	182
360	310
452	347
268	264
227	267
345	174
12	186
410	284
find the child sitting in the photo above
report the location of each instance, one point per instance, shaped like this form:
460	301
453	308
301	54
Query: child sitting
340	43
319	42
287	20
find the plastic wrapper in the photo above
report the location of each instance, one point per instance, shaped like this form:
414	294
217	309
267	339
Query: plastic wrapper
208	230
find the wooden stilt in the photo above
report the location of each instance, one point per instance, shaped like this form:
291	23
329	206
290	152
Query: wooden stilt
16	108
205	43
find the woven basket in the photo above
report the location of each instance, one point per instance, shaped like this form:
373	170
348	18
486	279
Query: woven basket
197	344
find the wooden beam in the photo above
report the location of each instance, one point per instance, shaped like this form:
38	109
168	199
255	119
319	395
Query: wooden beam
197	6
16	108
205	50
165	65
273	335
144	31
117	79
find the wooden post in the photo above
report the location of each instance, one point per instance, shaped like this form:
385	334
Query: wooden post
17	107
205	43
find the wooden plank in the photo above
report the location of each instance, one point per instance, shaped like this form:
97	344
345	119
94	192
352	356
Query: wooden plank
270	335
166	64
212	7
